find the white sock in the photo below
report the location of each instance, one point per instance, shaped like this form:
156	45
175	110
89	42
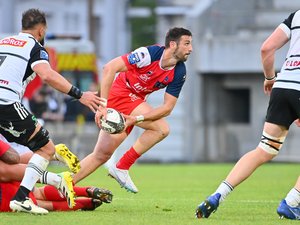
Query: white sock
293	198
50	178
224	189
34	170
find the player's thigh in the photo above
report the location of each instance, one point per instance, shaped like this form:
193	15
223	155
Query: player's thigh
17	124
275	130
107	143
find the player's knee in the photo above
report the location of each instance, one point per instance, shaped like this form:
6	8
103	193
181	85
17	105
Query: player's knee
271	144
102	157
163	131
39	140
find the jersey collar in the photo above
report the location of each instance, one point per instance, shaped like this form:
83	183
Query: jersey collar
26	34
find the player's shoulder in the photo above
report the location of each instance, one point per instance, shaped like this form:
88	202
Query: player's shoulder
293	19
155	51
149	53
180	68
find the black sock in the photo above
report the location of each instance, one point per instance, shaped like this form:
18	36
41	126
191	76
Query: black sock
21	194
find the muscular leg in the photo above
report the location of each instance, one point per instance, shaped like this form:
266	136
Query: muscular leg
37	164
274	136
104	148
252	160
155	131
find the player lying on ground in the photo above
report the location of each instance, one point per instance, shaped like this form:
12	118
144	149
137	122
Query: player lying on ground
47	197
15	172
283	110
63	181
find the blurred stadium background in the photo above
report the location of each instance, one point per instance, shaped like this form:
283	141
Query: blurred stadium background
221	110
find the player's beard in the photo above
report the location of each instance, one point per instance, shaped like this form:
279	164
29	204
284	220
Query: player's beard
179	56
42	42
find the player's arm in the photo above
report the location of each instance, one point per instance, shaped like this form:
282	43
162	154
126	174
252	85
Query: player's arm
162	111
51	77
274	42
157	113
108	74
57	81
8	154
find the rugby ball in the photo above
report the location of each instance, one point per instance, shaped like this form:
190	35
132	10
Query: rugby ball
114	122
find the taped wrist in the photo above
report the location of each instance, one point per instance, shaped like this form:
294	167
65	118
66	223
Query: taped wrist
75	92
139	118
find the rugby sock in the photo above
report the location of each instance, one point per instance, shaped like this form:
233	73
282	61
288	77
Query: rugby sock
293	198
128	159
224	189
80	191
50	178
80	204
34	170
52	194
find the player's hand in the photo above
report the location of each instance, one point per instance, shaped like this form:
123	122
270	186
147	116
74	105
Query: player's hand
100	113
268	84
91	100
129	120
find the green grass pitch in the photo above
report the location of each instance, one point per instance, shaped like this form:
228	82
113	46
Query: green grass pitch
169	194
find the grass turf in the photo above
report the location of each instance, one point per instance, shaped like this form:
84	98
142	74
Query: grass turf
169	194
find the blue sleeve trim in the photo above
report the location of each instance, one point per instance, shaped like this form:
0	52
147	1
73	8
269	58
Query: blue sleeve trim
155	52
174	88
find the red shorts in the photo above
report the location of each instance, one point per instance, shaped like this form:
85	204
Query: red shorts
3	147
123	99
7	192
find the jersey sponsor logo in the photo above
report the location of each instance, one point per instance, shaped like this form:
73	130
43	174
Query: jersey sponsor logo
146	76
293	63
6	82
44	55
13	42
139	88
162	84
133	58
159	85
11	130
133	97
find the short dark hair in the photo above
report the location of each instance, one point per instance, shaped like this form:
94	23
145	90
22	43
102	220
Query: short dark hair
33	17
174	34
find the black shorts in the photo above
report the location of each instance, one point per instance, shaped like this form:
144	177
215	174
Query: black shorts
284	107
17	124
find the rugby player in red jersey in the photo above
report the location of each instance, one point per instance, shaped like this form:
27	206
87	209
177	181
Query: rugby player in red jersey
141	72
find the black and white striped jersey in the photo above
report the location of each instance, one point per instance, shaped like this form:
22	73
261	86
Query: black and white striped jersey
289	76
18	55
